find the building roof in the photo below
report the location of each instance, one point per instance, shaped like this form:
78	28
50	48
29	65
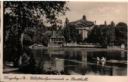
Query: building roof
82	23
57	34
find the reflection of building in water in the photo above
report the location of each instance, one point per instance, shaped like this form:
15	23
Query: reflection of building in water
54	65
55	52
48	66
84	62
59	64
84	58
76	61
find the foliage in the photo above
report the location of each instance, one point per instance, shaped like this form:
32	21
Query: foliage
71	34
20	15
121	33
109	34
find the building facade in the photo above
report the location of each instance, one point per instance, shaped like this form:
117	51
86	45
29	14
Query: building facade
56	40
83	26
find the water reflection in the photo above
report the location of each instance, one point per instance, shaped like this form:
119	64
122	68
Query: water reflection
79	62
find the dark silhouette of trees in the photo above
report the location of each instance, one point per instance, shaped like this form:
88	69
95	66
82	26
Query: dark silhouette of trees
121	33
109	35
93	35
71	34
19	16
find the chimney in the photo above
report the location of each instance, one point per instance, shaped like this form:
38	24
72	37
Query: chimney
95	22
84	17
112	24
66	21
105	23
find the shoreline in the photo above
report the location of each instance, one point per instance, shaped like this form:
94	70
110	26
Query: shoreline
82	48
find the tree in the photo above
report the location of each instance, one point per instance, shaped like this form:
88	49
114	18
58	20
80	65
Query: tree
71	34
93	36
19	16
100	34
121	33
109	34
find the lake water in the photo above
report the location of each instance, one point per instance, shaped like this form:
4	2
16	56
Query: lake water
80	61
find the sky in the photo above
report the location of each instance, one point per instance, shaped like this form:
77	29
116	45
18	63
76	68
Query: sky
97	11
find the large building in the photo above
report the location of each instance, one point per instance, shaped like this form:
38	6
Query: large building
82	25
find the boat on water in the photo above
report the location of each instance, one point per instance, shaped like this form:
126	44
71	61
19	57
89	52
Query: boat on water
37	46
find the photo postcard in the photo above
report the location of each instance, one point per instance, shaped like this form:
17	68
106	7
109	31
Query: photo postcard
65	41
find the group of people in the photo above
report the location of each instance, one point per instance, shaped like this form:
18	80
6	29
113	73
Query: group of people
101	61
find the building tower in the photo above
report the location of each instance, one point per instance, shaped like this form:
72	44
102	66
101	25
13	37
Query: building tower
105	23
112	24
66	22
84	18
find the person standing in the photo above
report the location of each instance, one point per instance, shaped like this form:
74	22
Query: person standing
98	61
103	61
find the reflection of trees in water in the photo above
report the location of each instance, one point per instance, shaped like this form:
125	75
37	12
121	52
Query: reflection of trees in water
73	55
76	60
40	57
70	60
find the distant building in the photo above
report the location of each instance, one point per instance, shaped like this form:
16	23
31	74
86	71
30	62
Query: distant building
122	46
57	39
82	25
